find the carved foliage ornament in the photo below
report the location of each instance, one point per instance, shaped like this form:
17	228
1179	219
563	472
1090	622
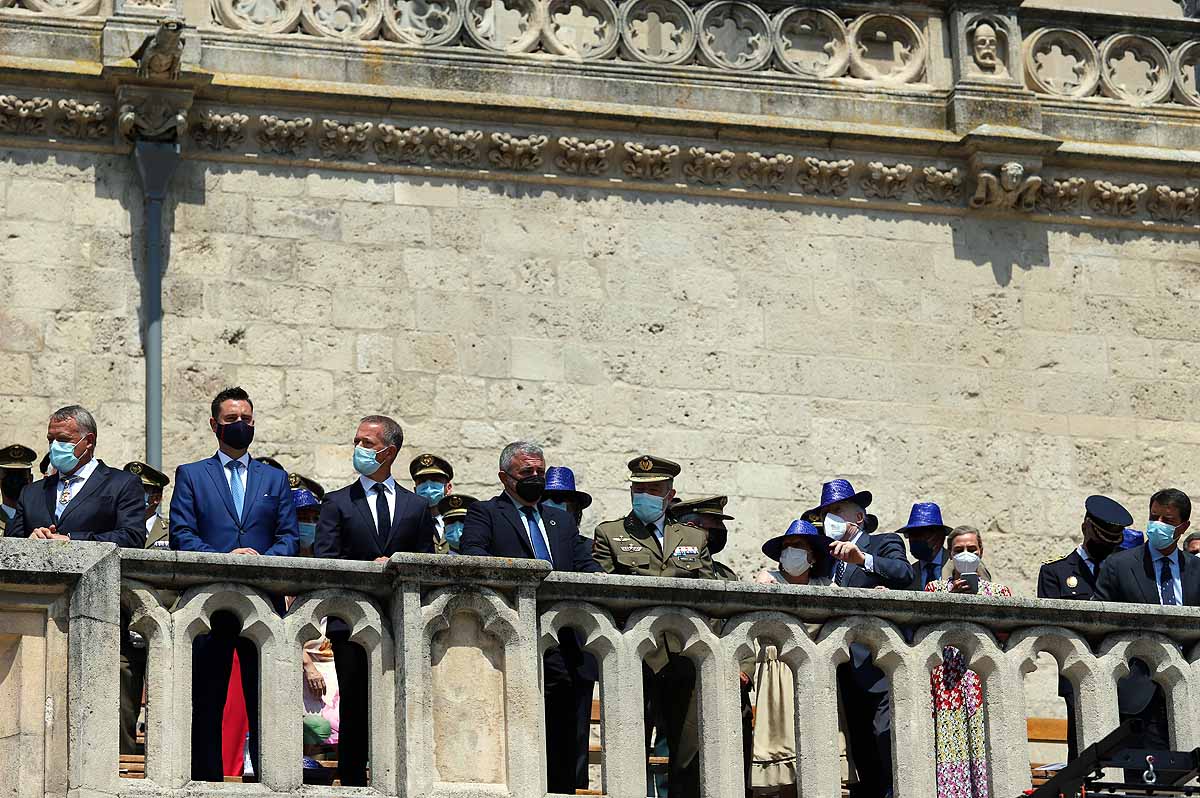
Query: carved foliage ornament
886	182
1008	188
283	136
455	149
1061	195
710	168
343	139
937	185
1169	204
825	177
23	117
1110	199
219	131
83	120
401	145
649	163
767	172
811	42
517	154
583	157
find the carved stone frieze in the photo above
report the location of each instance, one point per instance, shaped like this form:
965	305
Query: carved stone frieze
767	172
709	168
505	26
1135	69
825	177
657	31
887	49
23	117
258	16
455	148
82	120
1110	199
649	163
423	22
342	19
886	182
1057	196
219	131
938	185
578	157
1007	188
1061	61
283	136
152	114
344	139
812	42
1169	204
582	29
517	153
395	144
734	35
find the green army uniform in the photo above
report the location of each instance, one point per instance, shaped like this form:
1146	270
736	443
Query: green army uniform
153	481
627	546
450	509
428	466
16	465
709	514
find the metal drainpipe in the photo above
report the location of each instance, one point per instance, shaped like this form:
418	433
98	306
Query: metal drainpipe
156	162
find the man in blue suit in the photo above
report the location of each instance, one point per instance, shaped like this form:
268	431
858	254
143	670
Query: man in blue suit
371	519
513	525
230	504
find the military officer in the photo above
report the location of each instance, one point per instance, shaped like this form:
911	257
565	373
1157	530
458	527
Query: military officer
153	483
272	462
433	479
16	471
452	510
307	495
709	514
647	542
1074	576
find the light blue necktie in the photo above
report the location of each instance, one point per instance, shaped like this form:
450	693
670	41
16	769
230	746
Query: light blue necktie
535	534
235	485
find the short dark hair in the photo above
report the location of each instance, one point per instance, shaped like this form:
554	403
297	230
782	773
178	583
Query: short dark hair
1173	497
234	393
393	433
1193	536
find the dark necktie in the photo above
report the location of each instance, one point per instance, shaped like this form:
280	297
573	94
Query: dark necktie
383	516
839	573
1166	582
535	535
930	573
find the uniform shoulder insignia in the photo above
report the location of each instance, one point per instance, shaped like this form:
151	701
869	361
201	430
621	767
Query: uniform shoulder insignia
1051	561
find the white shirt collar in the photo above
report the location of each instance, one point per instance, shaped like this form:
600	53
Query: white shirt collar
1158	555
1087	558
83	472
226	459
389	484
9	511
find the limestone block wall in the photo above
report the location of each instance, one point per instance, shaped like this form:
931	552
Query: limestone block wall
1002	368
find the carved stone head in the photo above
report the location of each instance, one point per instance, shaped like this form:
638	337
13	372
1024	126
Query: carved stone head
1010	176
987	54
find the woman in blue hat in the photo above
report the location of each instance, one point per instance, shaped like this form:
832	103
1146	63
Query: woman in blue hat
802	554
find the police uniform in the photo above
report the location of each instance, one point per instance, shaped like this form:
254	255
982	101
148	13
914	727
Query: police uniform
629	546
16	464
710	507
451	509
422	467
153	481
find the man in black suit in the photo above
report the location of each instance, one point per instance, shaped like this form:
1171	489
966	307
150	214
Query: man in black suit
372	518
513	525
867	561
1155	573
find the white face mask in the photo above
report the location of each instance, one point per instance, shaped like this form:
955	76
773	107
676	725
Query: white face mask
794	561
966	562
839	528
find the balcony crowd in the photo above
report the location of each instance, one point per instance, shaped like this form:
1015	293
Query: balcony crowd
238	505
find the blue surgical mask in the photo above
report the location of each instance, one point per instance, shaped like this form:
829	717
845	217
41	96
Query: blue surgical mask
308	532
1160	535
556	505
648	507
454	533
431	491
364	461
62	456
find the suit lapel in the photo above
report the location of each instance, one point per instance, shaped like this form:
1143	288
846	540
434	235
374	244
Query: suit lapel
99	477
358	497
50	493
253	477
217	474
509	511
1187	575
401	498
1149	585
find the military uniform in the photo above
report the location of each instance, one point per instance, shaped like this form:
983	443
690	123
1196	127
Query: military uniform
153	481
16	466
428	467
452	510
628	546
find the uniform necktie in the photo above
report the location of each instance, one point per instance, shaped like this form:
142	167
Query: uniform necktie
839	573
236	486
383	515
535	535
64	495
1166	582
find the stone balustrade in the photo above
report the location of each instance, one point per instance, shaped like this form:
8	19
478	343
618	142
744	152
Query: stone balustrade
453	644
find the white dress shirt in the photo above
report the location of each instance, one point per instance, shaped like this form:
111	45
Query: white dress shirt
226	460
389	490
868	559
1157	557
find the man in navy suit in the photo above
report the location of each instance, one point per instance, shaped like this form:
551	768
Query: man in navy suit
372	518
231	504
513	525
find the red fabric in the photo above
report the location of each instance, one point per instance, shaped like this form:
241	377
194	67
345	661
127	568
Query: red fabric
235	724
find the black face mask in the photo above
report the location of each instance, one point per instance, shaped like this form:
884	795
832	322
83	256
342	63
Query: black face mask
717	538
13	482
921	550
530	488
236	435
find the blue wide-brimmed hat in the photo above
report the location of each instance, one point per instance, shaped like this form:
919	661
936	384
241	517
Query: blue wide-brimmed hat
773	548
839	490
1131	539
303	497
924	515
561	479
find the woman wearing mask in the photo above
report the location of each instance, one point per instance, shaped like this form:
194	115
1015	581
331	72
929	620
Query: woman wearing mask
965	572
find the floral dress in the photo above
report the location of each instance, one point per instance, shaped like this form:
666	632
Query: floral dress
986	588
961	747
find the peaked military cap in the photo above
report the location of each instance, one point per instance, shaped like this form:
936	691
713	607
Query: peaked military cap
271	461
151	477
1112	516
648	468
429	465
711	505
17	456
454	505
301	482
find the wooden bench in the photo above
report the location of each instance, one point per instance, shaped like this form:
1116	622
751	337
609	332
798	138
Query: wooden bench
1044	730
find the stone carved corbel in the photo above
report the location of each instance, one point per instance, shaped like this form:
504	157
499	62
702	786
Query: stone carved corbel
517	154
344	139
283	136
709	168
767	172
23	117
1008	188
455	149
886	182
219	131
1061	195
583	157
83	120
401	145
1173	204
152	114
649	163
161	55
937	185
825	177
1110	199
